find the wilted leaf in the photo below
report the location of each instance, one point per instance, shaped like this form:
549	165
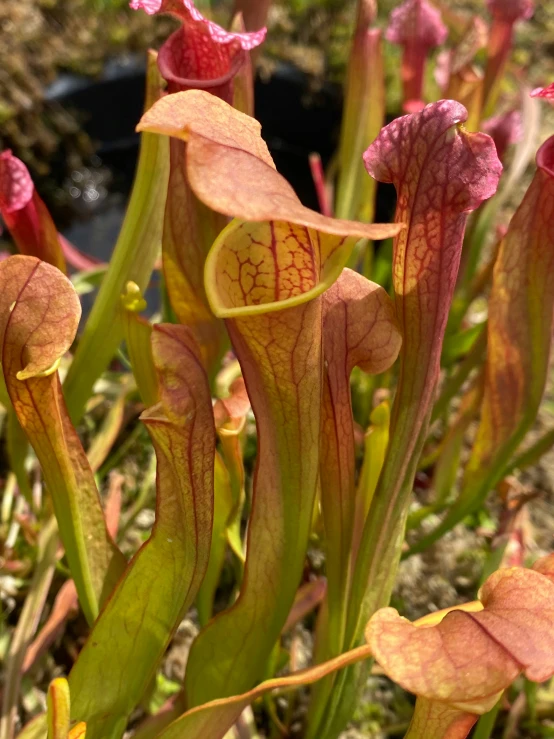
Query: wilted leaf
65	604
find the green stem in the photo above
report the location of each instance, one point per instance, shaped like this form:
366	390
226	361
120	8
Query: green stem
133	259
471	498
454	383
27	624
486	723
476	235
145	492
532	454
379	557
364	112
120	452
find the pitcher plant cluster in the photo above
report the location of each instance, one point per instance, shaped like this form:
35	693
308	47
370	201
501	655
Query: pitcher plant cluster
304	369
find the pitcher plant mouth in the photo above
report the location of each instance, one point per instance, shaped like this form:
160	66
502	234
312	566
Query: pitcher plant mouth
170	71
300	264
200	54
296	390
276	253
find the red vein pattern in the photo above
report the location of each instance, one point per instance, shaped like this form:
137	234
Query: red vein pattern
280	356
520	322
199	55
434	720
519	337
230	169
275	260
359	329
160	583
39	315
189	230
440	173
469	657
265	274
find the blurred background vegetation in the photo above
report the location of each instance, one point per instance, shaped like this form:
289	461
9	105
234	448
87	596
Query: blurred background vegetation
39	39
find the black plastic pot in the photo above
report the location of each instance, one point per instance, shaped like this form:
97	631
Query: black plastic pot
295	122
